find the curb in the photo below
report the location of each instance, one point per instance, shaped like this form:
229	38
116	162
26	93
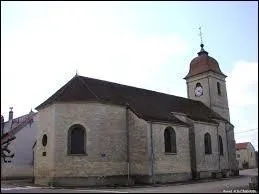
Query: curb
145	186
21	183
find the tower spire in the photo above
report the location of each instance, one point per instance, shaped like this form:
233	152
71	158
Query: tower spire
202	51
200	35
76	73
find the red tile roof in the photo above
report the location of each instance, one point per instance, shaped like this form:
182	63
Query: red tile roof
241	145
18	124
203	63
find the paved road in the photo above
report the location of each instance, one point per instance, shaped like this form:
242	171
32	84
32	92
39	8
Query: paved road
219	185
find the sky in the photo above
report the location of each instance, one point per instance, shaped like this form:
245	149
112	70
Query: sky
143	44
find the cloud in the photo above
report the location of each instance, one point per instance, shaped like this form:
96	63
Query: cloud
39	57
242	86
130	59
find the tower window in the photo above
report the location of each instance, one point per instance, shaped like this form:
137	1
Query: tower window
219	89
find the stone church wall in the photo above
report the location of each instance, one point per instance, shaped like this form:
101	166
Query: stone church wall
224	112
219	103
191	83
44	165
115	135
223	158
206	163
210	97
106	147
139	149
232	150
171	167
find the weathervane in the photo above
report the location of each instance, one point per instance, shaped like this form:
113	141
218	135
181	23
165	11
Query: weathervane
200	35
202	51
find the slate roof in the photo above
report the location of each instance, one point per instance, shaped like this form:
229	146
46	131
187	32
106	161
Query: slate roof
147	104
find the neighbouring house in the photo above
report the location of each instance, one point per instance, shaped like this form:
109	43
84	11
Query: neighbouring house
95	132
24	129
246	155
256	158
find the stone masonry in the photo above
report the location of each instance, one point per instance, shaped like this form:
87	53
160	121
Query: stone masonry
106	161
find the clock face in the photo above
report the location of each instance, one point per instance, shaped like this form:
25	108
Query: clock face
198	91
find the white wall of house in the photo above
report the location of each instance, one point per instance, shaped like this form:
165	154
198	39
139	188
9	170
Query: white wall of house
21	165
246	155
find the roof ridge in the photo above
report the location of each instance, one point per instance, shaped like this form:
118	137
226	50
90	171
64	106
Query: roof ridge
243	142
20	126
19	117
134	87
62	89
88	87
57	93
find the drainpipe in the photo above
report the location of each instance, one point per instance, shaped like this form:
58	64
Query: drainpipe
218	145
227	144
192	147
128	154
152	154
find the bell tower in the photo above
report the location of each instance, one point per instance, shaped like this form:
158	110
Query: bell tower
206	83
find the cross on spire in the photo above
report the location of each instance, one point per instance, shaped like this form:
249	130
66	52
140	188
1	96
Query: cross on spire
200	35
202	51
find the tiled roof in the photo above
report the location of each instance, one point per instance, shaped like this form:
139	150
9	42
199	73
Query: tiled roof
203	63
17	120
241	145
149	105
17	125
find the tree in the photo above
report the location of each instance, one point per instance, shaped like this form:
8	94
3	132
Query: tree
6	139
5	152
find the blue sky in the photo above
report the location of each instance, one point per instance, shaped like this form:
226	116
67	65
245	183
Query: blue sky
142	44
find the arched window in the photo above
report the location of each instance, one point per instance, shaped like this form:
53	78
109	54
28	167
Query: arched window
207	143
219	89
220	145
76	139
170	140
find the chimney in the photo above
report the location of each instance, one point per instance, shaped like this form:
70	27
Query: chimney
11	114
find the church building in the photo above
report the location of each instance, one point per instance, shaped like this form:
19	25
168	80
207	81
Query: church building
95	132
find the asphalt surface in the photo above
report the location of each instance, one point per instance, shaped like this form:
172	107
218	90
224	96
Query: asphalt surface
226	185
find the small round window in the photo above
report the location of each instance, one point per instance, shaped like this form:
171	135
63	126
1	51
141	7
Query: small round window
44	140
